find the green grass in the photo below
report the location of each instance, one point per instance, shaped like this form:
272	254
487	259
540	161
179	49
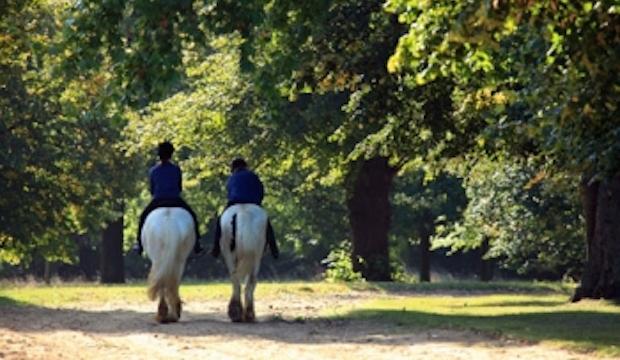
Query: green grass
546	318
72	294
463	287
534	311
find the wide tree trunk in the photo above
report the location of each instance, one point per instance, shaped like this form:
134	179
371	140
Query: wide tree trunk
601	205
369	214
112	262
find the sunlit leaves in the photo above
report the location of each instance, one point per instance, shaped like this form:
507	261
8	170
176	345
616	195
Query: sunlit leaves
531	221
557	58
61	172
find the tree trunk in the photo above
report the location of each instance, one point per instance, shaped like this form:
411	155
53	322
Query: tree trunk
47	272
112	262
87	257
425	249
601	205
369	215
486	266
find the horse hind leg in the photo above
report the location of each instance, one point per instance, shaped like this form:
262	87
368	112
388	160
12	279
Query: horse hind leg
162	310
235	311
174	301
248	315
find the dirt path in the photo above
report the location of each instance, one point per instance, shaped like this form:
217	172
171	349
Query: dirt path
288	329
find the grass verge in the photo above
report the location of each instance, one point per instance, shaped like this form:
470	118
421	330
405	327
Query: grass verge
587	326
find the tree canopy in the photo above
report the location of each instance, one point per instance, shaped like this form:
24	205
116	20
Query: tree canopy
466	123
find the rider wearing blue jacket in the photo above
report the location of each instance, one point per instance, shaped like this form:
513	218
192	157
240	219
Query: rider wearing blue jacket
166	184
244	187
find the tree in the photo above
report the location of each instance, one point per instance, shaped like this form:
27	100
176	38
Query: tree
340	49
423	205
525	221
62	171
549	73
219	116
33	198
272	71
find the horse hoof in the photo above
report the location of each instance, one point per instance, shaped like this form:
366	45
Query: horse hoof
235	313
162	312
249	316
166	319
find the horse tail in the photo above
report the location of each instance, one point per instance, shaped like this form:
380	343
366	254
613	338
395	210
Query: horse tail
233	223
163	271
156	283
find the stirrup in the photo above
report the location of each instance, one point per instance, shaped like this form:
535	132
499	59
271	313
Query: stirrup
136	249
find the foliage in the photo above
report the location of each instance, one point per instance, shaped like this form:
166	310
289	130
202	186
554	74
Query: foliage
217	117
305	91
144	40
61	172
533	225
536	82
340	266
547	72
421	206
31	138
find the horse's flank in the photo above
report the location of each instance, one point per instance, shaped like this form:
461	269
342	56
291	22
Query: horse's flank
250	226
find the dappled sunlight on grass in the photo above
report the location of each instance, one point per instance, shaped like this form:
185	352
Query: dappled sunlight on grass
550	318
469	286
70	294
60	294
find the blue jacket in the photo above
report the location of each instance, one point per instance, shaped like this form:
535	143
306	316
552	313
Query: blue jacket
244	186
165	179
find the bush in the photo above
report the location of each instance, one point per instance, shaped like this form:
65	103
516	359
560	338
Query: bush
340	266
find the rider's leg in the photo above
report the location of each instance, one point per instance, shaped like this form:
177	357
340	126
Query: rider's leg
271	241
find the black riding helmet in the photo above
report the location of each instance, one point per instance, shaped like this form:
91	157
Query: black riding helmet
238	164
165	150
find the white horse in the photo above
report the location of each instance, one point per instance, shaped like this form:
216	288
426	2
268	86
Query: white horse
243	243
168	237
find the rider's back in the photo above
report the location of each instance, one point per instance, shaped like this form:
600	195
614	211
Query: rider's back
165	179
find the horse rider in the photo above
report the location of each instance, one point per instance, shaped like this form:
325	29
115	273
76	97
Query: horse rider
166	185
244	187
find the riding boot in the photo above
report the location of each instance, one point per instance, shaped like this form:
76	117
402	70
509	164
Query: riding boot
197	247
137	248
271	241
215	252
